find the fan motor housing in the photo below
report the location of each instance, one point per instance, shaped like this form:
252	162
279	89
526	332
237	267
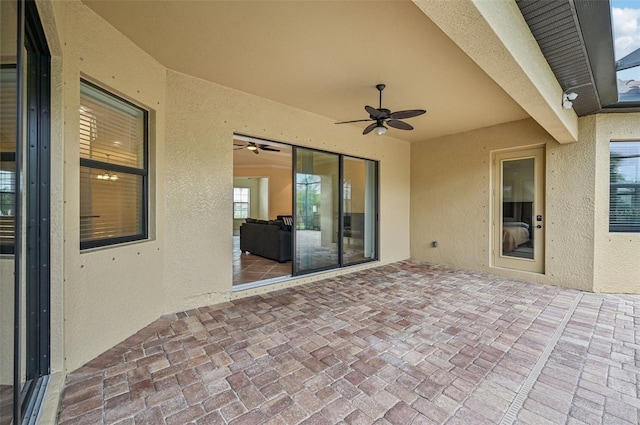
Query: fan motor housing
384	112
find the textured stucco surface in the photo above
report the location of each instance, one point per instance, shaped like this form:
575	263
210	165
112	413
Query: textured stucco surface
201	120
617	255
451	202
495	35
102	296
108	293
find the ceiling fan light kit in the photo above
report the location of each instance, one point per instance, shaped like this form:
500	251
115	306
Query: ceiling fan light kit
382	116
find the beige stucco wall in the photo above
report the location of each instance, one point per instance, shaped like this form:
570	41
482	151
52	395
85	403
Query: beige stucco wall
109	293
617	255
451	203
102	296
201	120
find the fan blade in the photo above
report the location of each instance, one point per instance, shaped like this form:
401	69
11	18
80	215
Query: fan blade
369	128
347	122
374	112
401	125
256	151
400	115
270	149
235	144
239	149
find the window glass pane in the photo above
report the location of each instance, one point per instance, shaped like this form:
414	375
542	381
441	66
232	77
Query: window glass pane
8	135
317	203
110	129
359	210
8	101
112	199
110	204
624	194
518	196
625	23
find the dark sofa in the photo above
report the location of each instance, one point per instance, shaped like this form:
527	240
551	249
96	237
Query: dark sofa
269	239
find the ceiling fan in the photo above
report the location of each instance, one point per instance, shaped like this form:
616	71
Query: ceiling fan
383	116
255	147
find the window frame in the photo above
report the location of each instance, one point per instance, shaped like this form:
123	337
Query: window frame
117	168
248	203
626	227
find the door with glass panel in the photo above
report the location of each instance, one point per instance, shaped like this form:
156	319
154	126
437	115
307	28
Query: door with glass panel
518	222
316	211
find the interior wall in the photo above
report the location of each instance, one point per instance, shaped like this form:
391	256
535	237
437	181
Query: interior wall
617	268
263	197
280	189
451	201
111	292
199	169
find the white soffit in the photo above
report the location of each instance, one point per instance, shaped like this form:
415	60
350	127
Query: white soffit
496	37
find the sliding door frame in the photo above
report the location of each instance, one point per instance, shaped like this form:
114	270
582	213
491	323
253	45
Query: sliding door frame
340	237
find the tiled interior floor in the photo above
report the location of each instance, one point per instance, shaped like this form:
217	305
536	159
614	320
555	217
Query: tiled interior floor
405	343
251	268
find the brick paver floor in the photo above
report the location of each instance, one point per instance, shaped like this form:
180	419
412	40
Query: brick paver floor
405	343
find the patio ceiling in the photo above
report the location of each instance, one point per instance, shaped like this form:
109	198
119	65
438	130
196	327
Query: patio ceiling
327	57
321	57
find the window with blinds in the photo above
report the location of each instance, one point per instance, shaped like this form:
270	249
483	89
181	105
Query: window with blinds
624	194
113	169
8	101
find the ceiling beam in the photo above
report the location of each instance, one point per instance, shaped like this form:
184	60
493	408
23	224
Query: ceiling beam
496	37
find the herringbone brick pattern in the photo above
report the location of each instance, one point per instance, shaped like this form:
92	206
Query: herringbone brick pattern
399	344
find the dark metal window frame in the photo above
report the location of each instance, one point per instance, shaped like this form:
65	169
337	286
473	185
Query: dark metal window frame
27	398
143	172
615	227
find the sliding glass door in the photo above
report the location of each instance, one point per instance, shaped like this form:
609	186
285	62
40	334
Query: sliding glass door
24	212
335	210
316	210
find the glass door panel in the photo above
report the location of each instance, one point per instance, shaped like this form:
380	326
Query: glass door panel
359	206
316	211
519	207
8	137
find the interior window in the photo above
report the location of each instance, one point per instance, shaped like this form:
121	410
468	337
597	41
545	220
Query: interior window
241	196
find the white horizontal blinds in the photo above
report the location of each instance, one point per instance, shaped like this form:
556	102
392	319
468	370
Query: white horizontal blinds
110	129
8	109
624	196
109	208
112	169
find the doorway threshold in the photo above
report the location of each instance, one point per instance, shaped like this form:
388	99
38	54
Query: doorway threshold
259	283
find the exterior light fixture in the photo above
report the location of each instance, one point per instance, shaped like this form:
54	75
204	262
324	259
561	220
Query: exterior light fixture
567	99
